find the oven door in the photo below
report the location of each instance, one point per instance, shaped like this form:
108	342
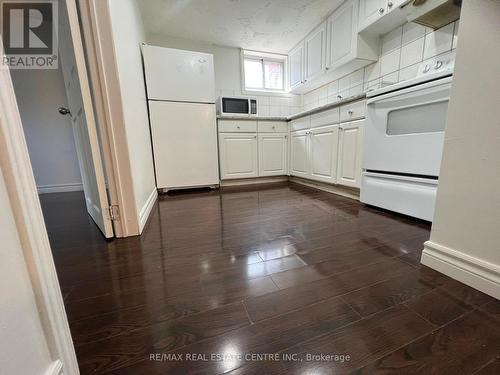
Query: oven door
235	106
405	129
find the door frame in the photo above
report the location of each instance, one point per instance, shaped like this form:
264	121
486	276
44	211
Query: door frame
16	168
104	83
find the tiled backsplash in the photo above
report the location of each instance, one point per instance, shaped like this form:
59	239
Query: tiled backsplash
402	50
272	106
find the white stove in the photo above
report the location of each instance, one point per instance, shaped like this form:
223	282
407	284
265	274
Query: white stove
404	138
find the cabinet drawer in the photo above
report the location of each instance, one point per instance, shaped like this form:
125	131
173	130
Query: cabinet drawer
355	110
237	126
301	123
272	127
325	118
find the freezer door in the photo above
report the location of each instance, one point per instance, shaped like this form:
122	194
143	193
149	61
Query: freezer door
178	75
185	144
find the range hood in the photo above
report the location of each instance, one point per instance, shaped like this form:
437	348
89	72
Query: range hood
433	13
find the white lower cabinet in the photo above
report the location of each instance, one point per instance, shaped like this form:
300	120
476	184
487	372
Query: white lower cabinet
238	155
273	154
330	154
299	153
323	153
350	153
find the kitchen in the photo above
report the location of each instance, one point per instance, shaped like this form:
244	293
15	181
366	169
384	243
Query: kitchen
301	175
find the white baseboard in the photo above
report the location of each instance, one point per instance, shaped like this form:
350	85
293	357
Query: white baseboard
60	188
146	210
55	368
347	192
471	271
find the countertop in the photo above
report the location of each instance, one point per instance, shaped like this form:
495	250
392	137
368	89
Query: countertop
300	114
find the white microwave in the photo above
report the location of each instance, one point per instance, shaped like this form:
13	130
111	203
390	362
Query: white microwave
237	106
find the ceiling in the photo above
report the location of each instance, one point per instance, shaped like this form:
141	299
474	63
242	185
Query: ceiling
262	25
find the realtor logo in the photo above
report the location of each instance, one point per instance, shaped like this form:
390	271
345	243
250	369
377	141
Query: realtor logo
29	34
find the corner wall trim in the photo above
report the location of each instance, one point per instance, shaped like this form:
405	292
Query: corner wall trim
55	368
59	188
146	210
474	272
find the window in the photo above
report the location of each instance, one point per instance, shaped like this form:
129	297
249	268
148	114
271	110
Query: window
264	71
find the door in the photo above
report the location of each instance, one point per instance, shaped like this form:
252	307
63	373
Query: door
299	153
238	155
350	153
370	11
342	34
178	75
324	145
409	123
296	66
74	71
273	154
184	139
315	49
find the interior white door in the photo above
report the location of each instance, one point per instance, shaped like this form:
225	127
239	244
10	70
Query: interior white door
350	153
273	154
315	48
342	34
296	66
238	155
299	154
370	11
324	146
72	61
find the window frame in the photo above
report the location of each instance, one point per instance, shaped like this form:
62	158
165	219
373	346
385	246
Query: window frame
262	57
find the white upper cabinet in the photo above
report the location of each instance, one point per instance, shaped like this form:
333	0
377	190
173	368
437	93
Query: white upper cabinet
334	49
350	153
380	16
342	34
296	66
315	50
370	11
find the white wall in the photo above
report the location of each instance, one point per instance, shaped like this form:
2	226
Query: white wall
465	237
49	135
23	349
128	34
227	61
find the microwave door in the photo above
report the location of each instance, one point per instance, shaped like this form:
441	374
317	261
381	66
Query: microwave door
235	106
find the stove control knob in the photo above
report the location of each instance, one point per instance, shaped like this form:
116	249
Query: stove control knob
438	65
427	68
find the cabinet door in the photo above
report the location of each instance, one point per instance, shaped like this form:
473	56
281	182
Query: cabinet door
323	150
273	154
370	11
342	30
299	154
315	49
238	155
296	66
350	153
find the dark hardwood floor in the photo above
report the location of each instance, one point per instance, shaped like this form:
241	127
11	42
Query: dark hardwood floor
280	269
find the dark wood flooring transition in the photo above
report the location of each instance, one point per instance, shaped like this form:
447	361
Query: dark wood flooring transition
279	269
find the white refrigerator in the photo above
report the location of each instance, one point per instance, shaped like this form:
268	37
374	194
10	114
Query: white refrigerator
181	97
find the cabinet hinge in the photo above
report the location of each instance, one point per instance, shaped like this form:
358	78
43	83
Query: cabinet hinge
114	212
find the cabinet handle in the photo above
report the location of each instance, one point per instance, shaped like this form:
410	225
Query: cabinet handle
238	127
381	10
390	4
254	137
351	112
274	127
339	97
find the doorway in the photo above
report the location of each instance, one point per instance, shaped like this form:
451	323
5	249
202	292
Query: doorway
61	130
